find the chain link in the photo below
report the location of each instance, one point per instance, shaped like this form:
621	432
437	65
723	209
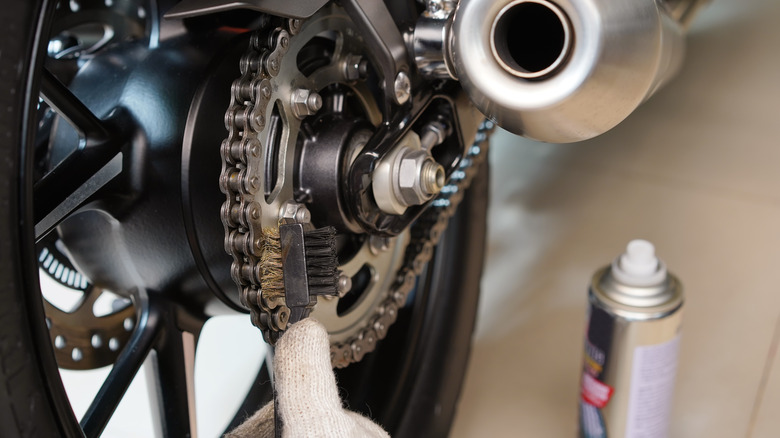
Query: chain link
242	169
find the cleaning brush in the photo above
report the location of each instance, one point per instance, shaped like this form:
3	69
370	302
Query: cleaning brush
321	260
299	263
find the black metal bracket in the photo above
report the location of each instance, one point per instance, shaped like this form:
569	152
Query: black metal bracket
429	103
388	49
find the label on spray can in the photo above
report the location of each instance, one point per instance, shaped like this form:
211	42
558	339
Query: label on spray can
595	394
652	389
631	348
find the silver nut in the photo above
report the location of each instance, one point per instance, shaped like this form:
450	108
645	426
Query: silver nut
402	88
344	285
305	102
292	212
419	178
408	172
303	215
378	244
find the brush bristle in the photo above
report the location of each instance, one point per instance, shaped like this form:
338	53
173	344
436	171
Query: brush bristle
272	277
322	261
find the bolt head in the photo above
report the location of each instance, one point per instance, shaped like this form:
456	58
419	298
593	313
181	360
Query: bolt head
305	102
408	173
344	285
418	177
352	66
303	215
314	102
402	88
378	244
292	212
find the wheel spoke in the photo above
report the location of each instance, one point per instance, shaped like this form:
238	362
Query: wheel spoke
71	184
68	106
126	367
95	162
172	382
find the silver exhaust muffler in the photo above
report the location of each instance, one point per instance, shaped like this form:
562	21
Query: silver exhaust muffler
564	70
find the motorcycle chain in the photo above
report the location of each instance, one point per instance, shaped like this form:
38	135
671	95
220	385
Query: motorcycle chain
241	216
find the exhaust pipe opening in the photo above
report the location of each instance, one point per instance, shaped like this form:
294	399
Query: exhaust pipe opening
531	38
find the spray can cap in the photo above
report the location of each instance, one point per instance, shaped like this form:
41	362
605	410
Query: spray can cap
639	266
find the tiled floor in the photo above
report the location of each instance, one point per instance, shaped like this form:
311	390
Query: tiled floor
696	170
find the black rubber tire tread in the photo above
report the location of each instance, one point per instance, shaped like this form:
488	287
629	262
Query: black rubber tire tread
30	395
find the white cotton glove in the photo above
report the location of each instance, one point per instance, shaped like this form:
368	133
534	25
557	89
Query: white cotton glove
306	390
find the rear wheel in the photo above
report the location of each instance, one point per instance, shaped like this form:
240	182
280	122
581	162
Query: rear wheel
410	384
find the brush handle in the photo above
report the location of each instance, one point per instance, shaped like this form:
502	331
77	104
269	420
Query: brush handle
277	417
296	284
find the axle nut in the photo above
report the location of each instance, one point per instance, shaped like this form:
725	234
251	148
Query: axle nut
407	176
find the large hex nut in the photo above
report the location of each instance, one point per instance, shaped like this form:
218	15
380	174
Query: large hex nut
409	181
406	176
305	102
294	213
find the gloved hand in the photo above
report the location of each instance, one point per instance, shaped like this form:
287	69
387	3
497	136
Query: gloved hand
306	390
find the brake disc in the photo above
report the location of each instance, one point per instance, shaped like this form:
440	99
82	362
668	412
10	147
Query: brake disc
92	332
84	339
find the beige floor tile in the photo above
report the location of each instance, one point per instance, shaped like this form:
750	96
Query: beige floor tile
766	421
696	171
552	233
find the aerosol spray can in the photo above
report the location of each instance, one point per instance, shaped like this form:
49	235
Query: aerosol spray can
631	347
